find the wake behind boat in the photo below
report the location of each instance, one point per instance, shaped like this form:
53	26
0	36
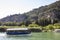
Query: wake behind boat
18	31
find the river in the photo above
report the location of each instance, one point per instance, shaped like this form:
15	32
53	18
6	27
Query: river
33	36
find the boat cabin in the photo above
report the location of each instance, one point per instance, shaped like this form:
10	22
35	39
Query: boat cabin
18	31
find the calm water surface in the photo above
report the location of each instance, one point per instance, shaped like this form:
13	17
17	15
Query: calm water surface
34	36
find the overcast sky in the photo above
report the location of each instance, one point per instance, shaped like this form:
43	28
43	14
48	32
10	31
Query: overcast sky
10	7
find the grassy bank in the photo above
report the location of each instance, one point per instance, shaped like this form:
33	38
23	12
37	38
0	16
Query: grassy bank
35	28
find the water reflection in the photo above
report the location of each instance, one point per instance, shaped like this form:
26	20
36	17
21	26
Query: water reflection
34	36
57	36
3	36
17	38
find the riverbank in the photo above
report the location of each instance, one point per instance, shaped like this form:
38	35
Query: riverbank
48	28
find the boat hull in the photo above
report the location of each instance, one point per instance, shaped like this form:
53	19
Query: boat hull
16	33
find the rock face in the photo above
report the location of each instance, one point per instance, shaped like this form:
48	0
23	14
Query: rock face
57	30
51	11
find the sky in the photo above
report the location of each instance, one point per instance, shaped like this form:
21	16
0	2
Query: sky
10	7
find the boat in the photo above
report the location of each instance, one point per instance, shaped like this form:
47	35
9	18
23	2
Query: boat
18	31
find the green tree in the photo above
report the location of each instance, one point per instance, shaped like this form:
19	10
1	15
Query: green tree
57	25
50	27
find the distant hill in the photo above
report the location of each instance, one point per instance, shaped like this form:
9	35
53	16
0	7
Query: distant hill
14	18
51	11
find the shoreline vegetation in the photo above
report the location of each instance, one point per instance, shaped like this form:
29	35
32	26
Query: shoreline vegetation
33	27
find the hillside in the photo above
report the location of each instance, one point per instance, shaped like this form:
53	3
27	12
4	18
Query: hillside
49	13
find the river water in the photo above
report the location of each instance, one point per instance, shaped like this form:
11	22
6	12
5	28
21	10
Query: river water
33	36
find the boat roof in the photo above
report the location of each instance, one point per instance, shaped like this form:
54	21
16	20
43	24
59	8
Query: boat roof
17	29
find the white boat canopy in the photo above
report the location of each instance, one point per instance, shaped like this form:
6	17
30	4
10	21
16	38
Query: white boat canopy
17	29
